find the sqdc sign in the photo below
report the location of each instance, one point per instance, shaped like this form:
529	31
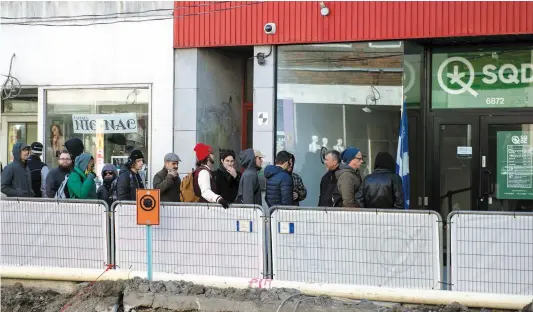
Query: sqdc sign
506	73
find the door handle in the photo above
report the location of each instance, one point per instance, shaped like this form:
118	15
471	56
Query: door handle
489	189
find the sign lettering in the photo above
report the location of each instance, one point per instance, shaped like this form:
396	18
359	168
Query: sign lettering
483	79
106	123
514	165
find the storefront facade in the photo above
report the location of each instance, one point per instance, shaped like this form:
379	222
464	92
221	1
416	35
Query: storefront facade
105	82
335	74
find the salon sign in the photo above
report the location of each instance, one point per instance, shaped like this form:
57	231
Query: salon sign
104	123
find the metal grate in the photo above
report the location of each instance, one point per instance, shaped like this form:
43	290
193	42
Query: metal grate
491	252
53	233
392	248
194	239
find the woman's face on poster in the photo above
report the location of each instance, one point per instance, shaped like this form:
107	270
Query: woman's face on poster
55	130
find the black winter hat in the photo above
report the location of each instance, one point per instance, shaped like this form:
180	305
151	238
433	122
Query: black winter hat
136	154
75	147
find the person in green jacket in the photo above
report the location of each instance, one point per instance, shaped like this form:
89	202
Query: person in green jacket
81	180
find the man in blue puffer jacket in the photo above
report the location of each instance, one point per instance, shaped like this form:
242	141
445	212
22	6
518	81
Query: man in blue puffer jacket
279	181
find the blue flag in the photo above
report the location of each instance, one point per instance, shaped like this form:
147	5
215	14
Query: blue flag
402	156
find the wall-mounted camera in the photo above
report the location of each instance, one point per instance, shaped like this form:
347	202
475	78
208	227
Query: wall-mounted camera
270	28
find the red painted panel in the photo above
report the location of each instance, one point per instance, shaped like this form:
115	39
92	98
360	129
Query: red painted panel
229	23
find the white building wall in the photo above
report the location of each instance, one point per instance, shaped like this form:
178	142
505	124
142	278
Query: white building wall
264	102
120	53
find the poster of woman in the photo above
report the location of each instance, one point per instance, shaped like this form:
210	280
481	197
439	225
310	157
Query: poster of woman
57	141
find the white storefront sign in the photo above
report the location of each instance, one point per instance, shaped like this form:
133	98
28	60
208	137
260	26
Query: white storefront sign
106	123
506	73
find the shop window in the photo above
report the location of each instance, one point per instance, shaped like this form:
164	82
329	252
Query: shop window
335	96
20	132
25	102
482	78
110	122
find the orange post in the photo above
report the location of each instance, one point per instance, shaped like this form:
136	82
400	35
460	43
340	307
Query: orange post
148	206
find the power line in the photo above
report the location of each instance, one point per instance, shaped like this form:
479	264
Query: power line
149	18
67	17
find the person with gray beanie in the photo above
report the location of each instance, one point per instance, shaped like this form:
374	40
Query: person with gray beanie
168	180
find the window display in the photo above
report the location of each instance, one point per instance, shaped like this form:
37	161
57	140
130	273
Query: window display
333	97
110	122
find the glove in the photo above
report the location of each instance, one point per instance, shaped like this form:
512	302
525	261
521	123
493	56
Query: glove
224	203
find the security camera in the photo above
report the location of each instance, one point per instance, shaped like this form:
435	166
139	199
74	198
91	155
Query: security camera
270	28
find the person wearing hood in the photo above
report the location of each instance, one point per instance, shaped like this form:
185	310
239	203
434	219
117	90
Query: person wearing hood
226	177
80	182
16	177
129	179
348	177
168	179
104	192
75	147
249	191
383	187
279	181
39	170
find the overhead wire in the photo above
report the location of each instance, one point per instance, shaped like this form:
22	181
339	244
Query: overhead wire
138	19
47	18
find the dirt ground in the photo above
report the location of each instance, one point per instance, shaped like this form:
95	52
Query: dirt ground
140	295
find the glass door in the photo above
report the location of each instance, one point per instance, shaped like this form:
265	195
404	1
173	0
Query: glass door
506	163
454	172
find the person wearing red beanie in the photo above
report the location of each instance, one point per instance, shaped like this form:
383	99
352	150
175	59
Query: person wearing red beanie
204	182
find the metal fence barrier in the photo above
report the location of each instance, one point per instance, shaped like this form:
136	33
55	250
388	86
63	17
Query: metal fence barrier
393	248
194	238
491	252
52	233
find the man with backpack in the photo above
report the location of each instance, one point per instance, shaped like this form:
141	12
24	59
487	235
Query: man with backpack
129	180
204	185
58	175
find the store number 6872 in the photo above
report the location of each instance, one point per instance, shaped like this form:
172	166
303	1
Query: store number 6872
495	101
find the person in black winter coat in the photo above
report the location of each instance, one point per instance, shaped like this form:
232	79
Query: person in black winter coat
104	192
56	176
129	180
279	182
383	187
226	177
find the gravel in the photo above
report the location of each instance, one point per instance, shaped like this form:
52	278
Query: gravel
141	295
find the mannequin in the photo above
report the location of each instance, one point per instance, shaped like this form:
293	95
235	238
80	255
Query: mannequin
339	147
325	143
314	147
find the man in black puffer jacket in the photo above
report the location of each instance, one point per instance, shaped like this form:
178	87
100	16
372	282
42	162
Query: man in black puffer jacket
382	188
279	181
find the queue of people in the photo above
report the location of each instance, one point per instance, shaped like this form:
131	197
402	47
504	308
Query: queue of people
341	186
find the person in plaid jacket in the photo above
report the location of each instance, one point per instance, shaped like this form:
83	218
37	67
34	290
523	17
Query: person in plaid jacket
299	192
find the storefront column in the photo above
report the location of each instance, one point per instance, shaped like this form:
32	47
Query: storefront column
264	103
185	105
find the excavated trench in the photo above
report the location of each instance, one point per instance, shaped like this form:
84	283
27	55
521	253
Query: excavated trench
138	295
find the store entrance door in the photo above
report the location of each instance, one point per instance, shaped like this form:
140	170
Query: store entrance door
506	150
455	168
482	163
